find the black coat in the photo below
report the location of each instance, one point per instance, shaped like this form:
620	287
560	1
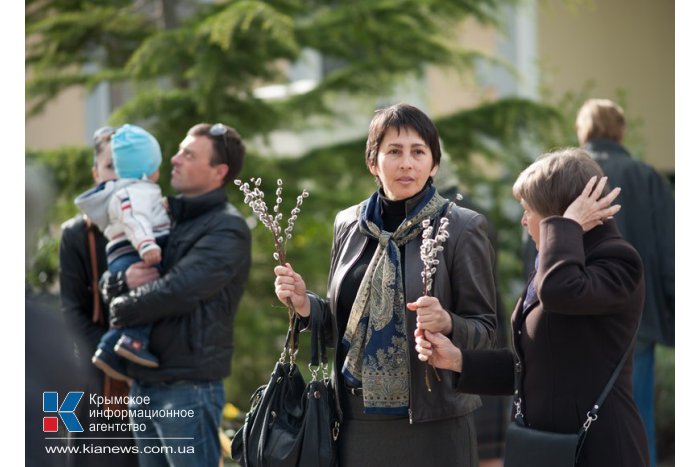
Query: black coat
207	261
569	341
76	284
77	301
647	221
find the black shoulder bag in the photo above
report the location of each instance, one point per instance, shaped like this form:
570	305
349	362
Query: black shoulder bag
290	423
528	447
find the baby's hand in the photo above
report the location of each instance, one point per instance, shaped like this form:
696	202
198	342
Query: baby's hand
151	257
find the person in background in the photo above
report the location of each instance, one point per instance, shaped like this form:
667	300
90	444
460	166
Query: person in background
375	299
491	419
86	315
129	211
575	320
191	306
647	221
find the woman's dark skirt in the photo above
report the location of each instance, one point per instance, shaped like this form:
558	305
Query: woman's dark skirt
386	441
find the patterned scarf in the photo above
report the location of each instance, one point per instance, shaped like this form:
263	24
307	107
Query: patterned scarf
531	294
375	337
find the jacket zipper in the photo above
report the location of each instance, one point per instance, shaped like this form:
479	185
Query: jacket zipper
410	410
408	359
518	401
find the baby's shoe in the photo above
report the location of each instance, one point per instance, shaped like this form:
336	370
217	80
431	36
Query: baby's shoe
136	351
111	364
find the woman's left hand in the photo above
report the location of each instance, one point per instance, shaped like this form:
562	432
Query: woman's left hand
588	210
438	350
431	315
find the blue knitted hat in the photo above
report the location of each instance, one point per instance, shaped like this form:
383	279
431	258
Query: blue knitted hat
135	152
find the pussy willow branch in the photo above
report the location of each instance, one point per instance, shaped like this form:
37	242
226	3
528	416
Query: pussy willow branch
255	198
430	247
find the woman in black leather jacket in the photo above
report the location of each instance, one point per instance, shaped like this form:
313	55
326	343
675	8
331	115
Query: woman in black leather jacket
392	415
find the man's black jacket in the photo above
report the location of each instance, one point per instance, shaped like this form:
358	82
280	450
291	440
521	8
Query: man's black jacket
647	221
192	306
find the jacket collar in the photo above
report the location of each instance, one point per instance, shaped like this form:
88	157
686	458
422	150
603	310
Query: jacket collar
603	148
183	208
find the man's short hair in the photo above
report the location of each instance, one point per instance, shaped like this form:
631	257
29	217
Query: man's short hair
551	183
600	118
101	140
401	116
228	147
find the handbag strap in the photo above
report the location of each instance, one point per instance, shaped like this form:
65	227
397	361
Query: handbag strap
319	358
591	415
291	342
97	316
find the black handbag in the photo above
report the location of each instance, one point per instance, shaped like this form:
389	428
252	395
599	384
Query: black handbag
528	447
322	414
289	422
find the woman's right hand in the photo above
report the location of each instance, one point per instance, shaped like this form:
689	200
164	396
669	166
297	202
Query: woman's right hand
290	285
589	209
438	350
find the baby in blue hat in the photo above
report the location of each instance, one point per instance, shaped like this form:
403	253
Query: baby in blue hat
130	213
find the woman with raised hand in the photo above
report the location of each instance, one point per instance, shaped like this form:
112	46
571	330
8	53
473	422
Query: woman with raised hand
573	323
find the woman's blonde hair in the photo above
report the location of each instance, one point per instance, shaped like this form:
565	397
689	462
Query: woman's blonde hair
551	183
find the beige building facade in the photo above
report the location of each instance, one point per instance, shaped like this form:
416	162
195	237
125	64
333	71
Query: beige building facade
605	46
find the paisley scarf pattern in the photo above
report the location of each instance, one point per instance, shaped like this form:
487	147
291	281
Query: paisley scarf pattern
375	336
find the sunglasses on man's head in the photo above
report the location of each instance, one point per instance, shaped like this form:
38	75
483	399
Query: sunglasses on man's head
219	129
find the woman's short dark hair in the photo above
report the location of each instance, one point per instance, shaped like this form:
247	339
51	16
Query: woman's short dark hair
551	183
228	147
400	116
